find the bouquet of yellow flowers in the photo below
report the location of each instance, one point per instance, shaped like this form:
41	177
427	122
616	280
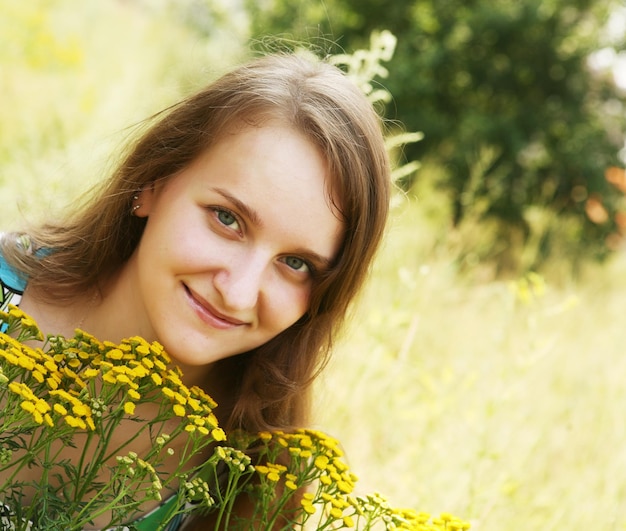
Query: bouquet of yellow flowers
79	392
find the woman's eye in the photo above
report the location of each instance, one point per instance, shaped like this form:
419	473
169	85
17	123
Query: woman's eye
227	218
297	264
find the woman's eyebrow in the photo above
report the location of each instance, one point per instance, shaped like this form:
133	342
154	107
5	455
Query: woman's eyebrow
246	210
321	262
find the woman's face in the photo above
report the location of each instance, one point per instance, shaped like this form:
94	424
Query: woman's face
232	244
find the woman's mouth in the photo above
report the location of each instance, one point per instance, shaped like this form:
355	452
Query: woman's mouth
209	314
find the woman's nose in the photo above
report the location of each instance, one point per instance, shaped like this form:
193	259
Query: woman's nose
240	283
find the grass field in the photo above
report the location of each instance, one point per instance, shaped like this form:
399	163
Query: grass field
450	394
450	391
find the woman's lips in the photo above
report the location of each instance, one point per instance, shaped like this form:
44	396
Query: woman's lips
209	314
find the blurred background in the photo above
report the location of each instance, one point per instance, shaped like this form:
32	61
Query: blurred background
483	372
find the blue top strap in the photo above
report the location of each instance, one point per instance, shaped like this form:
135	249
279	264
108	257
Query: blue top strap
10	278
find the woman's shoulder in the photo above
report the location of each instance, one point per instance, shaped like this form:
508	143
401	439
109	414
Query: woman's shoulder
12	284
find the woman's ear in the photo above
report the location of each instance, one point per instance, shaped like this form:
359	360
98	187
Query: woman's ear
143	201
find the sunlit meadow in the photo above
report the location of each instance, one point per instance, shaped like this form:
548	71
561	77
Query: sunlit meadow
501	401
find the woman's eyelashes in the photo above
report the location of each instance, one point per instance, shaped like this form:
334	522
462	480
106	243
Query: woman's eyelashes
227	218
298	264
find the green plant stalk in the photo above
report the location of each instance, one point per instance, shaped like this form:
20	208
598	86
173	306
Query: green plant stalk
233	489
86	519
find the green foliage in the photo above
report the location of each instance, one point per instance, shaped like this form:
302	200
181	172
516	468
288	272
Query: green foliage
511	113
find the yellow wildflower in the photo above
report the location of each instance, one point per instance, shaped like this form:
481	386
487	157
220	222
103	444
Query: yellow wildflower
306	442
307	503
339	502
143	349
167	392
42	406
179	398
15	312
325	480
160	365
50	365
345	487
75	422
148	363
122	378
109	344
9	356
28	406
218	434
336	513
173	375
109	377
58	408
134	394
321	462
26	363
81	410
69	373
138	371
194	403
90	373
212	420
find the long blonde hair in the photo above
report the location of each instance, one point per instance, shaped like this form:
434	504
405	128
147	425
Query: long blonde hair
263	388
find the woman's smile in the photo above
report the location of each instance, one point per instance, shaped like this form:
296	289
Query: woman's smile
209	314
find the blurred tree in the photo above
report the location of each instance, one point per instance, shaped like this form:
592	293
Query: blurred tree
509	107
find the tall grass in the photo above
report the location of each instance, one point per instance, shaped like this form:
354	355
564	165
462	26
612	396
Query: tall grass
451	391
477	397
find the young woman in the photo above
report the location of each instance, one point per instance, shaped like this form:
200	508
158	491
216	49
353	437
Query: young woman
236	232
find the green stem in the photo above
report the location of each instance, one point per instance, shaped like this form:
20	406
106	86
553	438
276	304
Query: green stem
91	515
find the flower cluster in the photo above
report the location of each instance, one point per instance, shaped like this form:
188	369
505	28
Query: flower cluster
129	371
79	392
301	480
83	389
